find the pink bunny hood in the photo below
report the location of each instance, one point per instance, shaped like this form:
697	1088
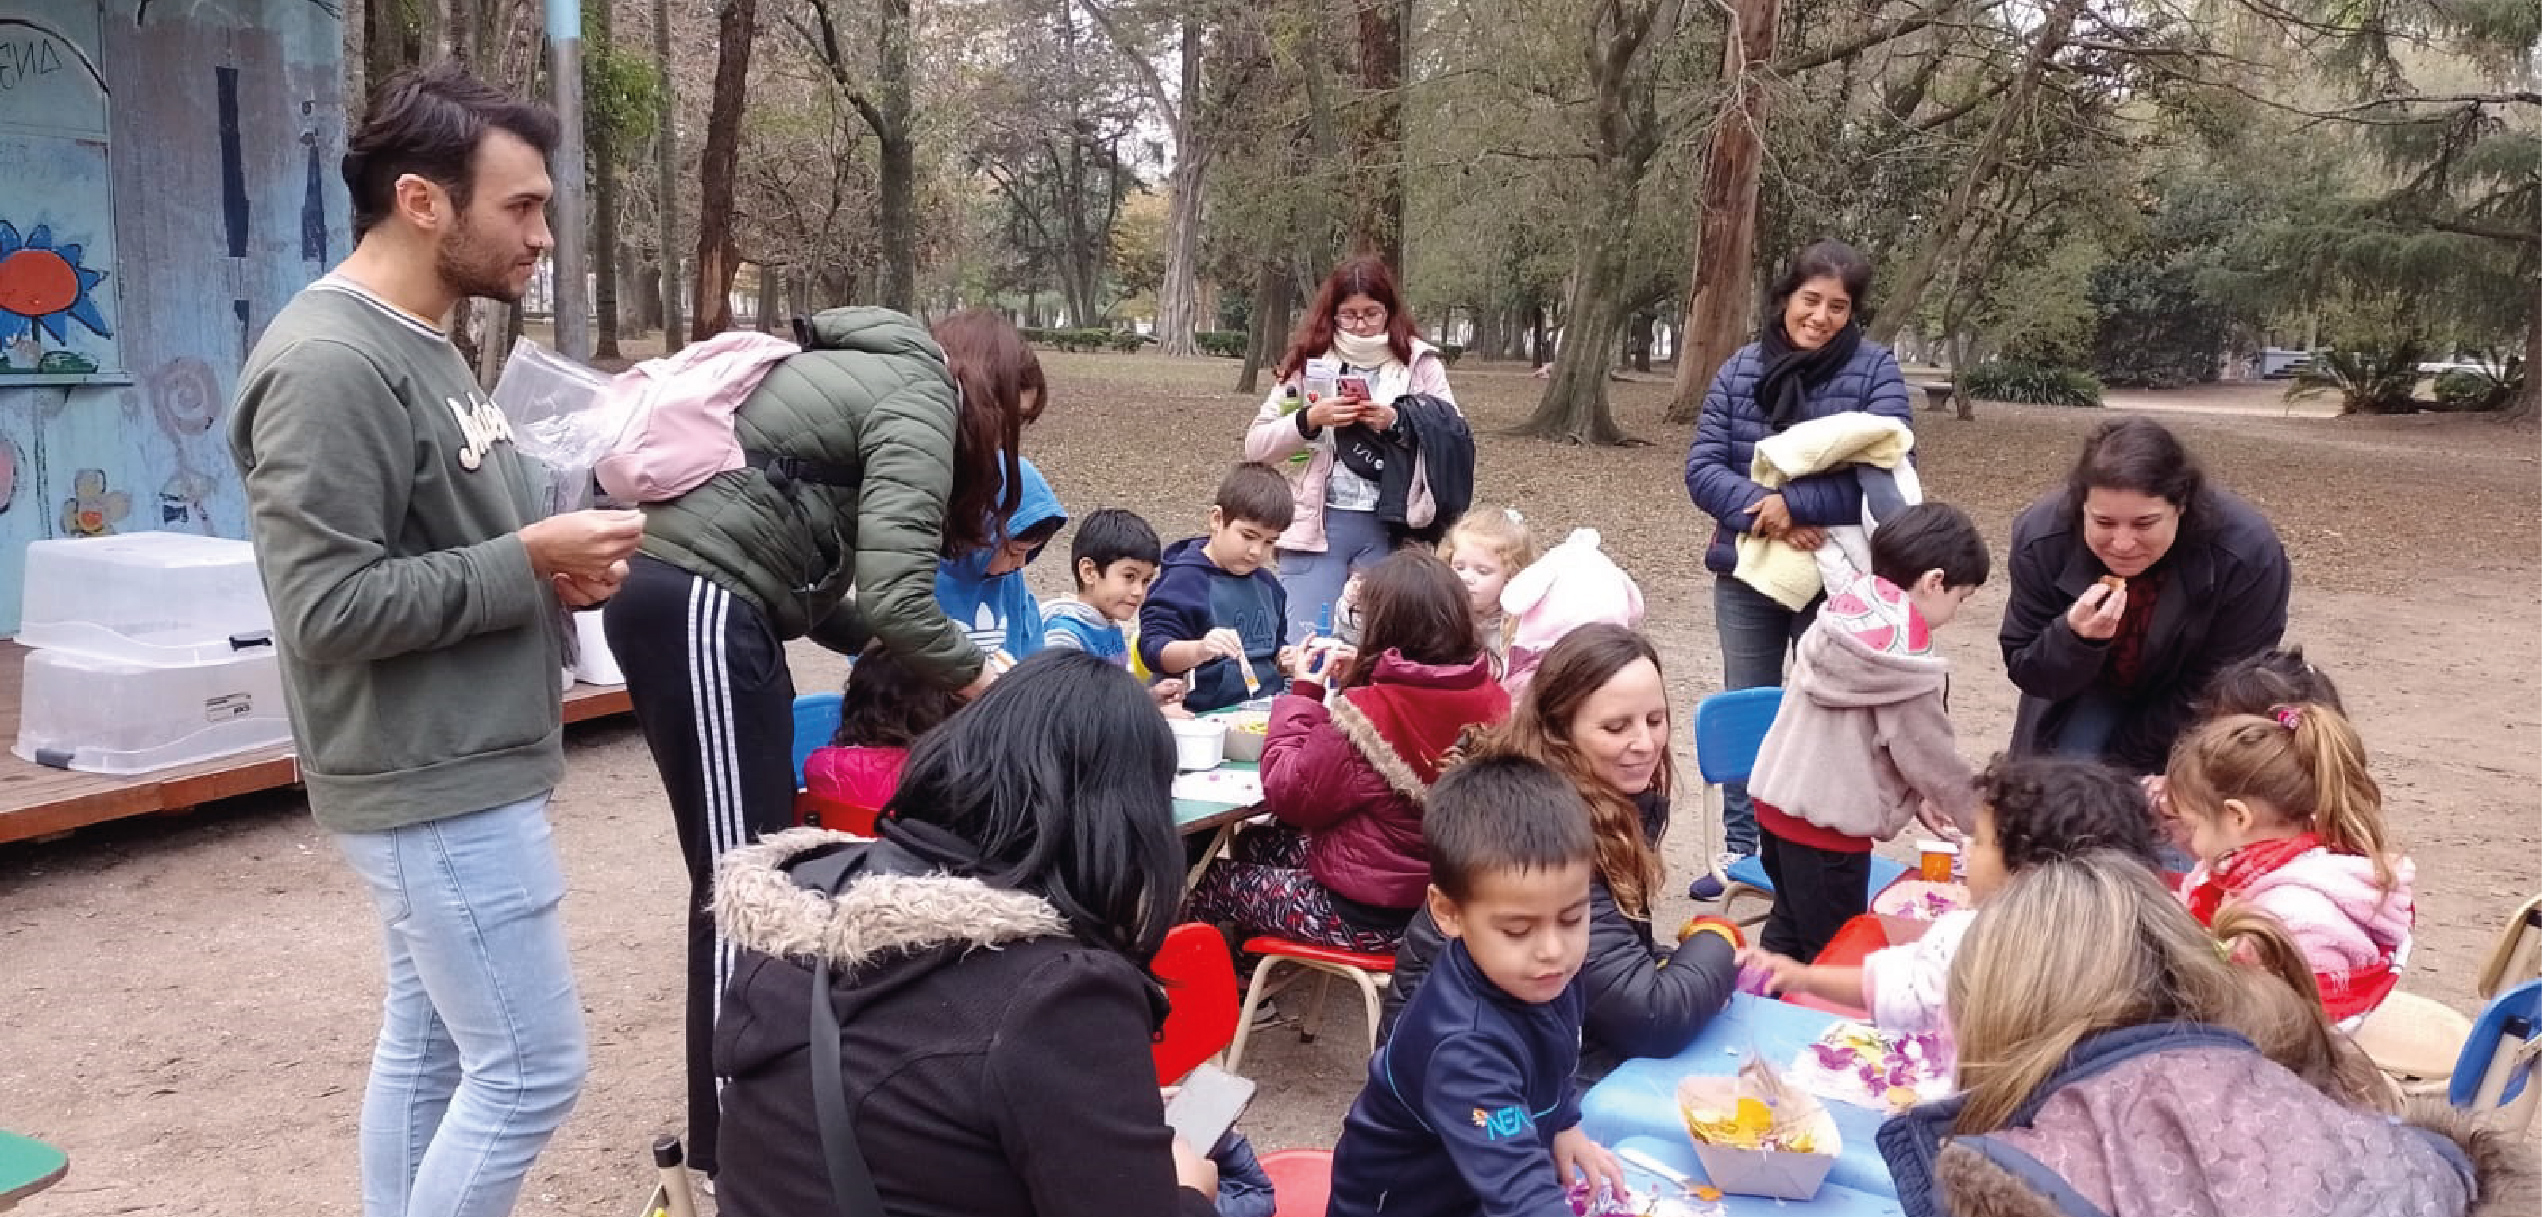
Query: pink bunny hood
1573	585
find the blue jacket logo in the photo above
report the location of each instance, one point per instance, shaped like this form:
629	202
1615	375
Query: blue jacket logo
1507	1122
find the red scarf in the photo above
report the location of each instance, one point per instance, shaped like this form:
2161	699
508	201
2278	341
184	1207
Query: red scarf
2345	992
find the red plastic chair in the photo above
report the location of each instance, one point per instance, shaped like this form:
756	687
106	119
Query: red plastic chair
1358	967
1301	1181
1854	942
819	811
1200	985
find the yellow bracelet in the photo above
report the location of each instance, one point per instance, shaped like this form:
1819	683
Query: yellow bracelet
1702	925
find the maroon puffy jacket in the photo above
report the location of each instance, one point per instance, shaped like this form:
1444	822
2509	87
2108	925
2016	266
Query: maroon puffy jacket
1354	771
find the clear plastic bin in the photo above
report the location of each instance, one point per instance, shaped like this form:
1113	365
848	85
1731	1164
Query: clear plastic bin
163	598
102	715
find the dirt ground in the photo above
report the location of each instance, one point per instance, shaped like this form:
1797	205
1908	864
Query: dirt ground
187	1003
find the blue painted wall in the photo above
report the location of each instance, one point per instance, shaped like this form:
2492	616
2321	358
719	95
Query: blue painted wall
208	132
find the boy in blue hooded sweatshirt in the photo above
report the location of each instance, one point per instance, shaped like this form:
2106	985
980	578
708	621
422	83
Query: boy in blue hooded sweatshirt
984	592
1215	612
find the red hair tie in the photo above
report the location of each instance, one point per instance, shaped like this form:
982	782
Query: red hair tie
2289	716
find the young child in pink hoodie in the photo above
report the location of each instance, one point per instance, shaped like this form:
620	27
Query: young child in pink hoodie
2284	818
886	708
1863	741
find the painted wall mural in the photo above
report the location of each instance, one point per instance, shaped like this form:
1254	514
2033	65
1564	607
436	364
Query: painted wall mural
167	183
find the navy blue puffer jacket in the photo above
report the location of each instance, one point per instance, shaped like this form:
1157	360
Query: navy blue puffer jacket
1732	422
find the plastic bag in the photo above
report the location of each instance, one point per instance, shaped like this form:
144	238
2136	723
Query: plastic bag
559	416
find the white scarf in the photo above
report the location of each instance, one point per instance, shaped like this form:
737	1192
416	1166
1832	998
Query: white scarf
1369	352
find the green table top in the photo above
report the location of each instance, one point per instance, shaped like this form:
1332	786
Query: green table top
1194	815
27	1166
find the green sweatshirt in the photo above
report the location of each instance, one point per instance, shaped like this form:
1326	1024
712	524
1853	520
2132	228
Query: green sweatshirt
421	656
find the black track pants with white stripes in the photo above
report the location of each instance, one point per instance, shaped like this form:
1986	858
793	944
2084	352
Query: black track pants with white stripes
708	680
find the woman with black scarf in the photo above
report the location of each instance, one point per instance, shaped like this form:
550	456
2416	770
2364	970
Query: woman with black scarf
1810	361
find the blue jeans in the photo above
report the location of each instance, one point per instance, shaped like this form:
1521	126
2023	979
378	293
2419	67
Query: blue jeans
481	1049
1757	634
1353	540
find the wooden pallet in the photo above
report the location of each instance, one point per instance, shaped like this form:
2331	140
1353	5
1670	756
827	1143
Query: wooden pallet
37	801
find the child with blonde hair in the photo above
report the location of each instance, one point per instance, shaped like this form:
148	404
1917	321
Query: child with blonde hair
2113	1060
2284	819
1486	548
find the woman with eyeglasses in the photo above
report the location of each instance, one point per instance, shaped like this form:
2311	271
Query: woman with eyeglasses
1337	436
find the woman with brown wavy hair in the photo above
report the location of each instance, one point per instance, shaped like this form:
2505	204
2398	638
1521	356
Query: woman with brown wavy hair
868	456
1597	713
1357	320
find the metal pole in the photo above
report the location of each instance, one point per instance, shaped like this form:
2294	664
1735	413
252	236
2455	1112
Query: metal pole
573	251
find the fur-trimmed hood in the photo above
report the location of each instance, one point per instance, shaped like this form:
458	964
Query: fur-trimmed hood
759	907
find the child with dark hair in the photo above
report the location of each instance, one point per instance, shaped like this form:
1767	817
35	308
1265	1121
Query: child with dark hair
2030	811
886	708
2276	677
1113	558
985	592
1473	1097
1863	741
1217	611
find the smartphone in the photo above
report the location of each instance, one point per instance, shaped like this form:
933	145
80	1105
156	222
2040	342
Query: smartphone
1207	1106
1355	387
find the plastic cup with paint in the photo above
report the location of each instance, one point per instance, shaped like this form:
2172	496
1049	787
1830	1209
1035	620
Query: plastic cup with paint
1936	860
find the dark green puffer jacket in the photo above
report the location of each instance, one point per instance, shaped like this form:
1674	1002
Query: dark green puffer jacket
871	396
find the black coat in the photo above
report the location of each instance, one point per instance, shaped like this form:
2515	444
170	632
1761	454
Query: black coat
1013	1080
2225	601
1428	430
1642	1001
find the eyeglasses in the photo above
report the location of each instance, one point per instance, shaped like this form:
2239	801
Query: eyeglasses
1356	316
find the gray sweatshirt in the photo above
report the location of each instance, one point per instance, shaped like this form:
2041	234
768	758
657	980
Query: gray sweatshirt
421	656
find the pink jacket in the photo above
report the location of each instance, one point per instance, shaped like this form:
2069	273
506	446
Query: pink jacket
858	777
1862	733
2354	934
1275	438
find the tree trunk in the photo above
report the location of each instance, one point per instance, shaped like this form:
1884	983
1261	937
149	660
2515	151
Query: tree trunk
648	280
898	138
1638	339
1964	406
1270	324
1719	289
665	308
1943	234
2528	404
1377	162
1177	298
717	258
770	284
390	42
1574	407
1539	335
605	137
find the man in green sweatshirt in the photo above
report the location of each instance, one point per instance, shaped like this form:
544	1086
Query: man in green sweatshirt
415	591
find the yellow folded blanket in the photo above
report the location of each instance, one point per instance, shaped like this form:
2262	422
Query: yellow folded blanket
1791	576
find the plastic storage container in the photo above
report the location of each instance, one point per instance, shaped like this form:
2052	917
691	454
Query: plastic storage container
159	598
99	714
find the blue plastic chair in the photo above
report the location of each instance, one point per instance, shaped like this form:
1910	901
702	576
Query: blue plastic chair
2499	1062
816	719
1729	728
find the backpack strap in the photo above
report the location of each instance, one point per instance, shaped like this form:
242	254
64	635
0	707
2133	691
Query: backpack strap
852	1188
784	469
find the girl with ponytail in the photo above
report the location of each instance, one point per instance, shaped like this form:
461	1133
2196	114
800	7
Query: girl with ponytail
2285	820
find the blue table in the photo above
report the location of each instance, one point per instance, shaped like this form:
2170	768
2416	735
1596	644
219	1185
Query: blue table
1636	1106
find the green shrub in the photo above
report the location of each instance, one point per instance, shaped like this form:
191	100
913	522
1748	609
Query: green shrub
2368	380
2032	384
1127	342
1225	344
1449	353
2480	390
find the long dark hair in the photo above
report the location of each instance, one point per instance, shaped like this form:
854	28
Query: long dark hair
1059	781
2140	455
1830	259
1416	607
1366	275
1539	728
887	704
994	368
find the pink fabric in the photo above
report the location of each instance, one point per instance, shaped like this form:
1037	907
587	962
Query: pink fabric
858	777
681	409
1879	615
1573	585
2340	918
1274	439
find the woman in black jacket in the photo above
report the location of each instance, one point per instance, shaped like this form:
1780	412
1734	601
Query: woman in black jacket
2132	586
1014	1080
1597	713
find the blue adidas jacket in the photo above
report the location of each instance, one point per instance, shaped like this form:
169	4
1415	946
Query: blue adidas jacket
1463	1103
1733	420
1000	612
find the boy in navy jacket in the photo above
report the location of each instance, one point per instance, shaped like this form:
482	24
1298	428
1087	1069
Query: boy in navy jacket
1470	1108
1216	609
